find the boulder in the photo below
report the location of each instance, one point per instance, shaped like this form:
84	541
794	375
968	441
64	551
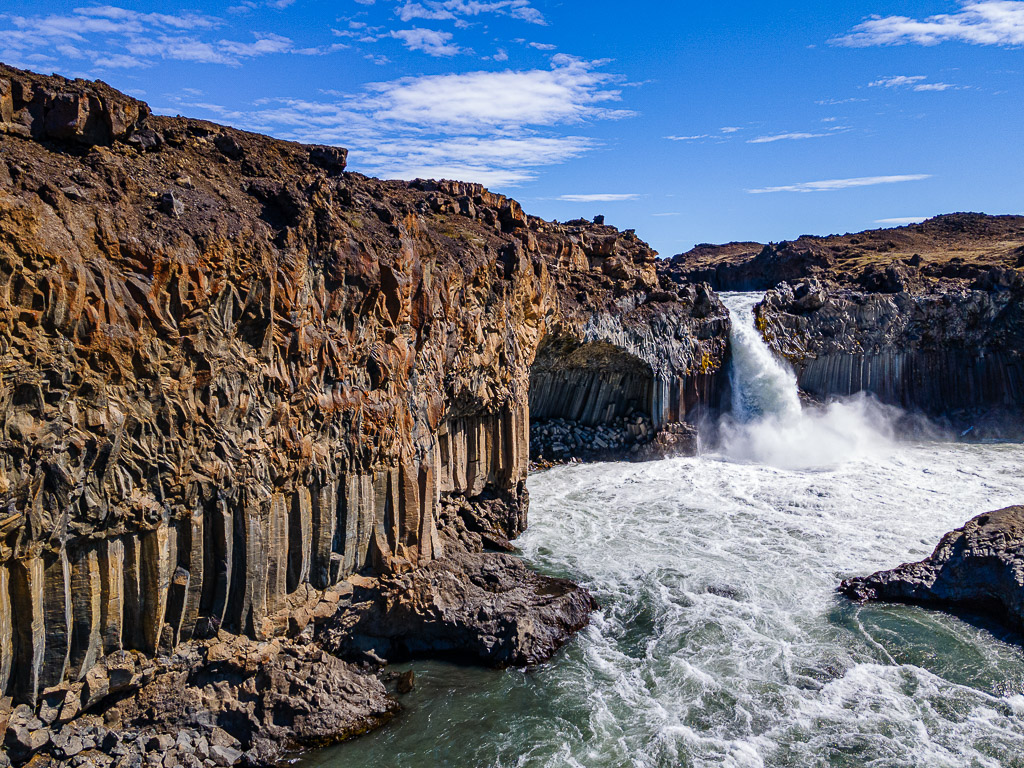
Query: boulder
475	608
979	567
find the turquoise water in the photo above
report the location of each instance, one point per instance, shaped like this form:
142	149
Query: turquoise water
721	640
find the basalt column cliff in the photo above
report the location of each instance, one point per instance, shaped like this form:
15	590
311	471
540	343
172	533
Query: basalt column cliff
234	375
928	317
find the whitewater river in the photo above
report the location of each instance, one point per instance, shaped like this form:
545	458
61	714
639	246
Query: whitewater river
720	640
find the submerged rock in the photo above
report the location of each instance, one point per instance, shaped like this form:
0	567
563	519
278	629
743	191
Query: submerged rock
978	567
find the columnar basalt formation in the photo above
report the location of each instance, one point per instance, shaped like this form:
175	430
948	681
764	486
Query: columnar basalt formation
950	351
233	373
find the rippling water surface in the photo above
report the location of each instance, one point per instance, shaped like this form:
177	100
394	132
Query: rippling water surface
721	640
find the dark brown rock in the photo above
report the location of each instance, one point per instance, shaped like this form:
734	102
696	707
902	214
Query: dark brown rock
979	567
476	608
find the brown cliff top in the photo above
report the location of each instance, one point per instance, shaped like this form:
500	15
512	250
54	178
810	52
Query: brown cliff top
952	246
975	238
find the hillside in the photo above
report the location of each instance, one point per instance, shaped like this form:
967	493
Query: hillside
953	246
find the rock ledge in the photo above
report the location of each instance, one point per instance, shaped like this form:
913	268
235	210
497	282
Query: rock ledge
979	567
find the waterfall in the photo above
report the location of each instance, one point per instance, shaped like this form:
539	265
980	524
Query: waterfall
762	385
769	424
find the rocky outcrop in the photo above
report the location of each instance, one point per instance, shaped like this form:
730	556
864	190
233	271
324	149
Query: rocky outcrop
469	607
950	351
978	568
219	702
233	375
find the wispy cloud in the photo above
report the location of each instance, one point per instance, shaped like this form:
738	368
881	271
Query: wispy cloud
786	137
833	185
112	37
897	81
450	10
689	138
980	22
598	198
915	82
496	128
430	41
901	221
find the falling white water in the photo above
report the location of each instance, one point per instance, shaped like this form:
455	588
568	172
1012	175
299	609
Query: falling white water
768	423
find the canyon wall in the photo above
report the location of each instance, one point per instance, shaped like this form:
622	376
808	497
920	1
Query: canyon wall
232	372
949	351
928	316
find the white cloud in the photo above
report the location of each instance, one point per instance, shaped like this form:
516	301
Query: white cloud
785	137
430	41
911	81
598	198
837	184
496	128
902	220
731	129
570	92
689	138
980	22
673	213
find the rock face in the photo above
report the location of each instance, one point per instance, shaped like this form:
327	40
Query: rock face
951	351
979	567
233	375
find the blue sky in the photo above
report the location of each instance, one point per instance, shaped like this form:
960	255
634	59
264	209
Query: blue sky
689	122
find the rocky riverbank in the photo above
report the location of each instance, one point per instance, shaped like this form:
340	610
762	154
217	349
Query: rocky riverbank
630	438
245	392
977	568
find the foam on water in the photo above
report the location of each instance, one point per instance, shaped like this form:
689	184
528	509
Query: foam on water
768	424
721	640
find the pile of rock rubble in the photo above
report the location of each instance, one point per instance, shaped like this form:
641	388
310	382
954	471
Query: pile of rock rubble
562	440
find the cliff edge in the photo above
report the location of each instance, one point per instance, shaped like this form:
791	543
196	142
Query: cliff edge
251	402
